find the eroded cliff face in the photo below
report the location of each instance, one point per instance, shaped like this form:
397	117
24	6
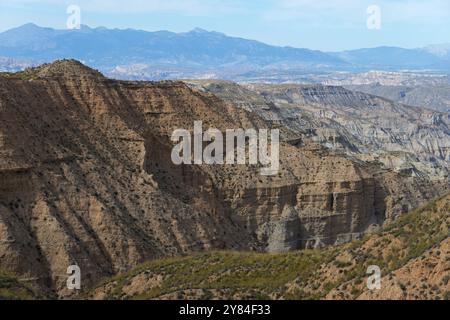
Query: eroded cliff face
411	140
86	178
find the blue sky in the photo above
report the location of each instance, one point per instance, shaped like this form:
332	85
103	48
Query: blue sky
329	25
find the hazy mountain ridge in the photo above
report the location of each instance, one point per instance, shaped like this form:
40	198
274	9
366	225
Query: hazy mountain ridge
440	50
394	58
101	47
137	54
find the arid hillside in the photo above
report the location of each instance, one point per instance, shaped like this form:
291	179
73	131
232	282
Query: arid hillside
13	289
412	140
436	97
86	178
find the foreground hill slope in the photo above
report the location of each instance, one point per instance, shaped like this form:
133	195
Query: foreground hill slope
413	254
86	178
12	288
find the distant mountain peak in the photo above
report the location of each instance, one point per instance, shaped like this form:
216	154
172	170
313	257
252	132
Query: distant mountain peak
199	30
66	68
29	25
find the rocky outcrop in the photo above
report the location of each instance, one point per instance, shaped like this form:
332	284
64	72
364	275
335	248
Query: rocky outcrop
373	125
431	96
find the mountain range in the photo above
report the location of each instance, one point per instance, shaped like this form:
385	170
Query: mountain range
129	53
86	176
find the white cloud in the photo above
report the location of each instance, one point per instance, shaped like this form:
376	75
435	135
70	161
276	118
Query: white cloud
433	11
189	7
352	11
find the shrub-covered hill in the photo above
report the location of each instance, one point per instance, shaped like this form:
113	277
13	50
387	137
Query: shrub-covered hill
413	254
13	289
